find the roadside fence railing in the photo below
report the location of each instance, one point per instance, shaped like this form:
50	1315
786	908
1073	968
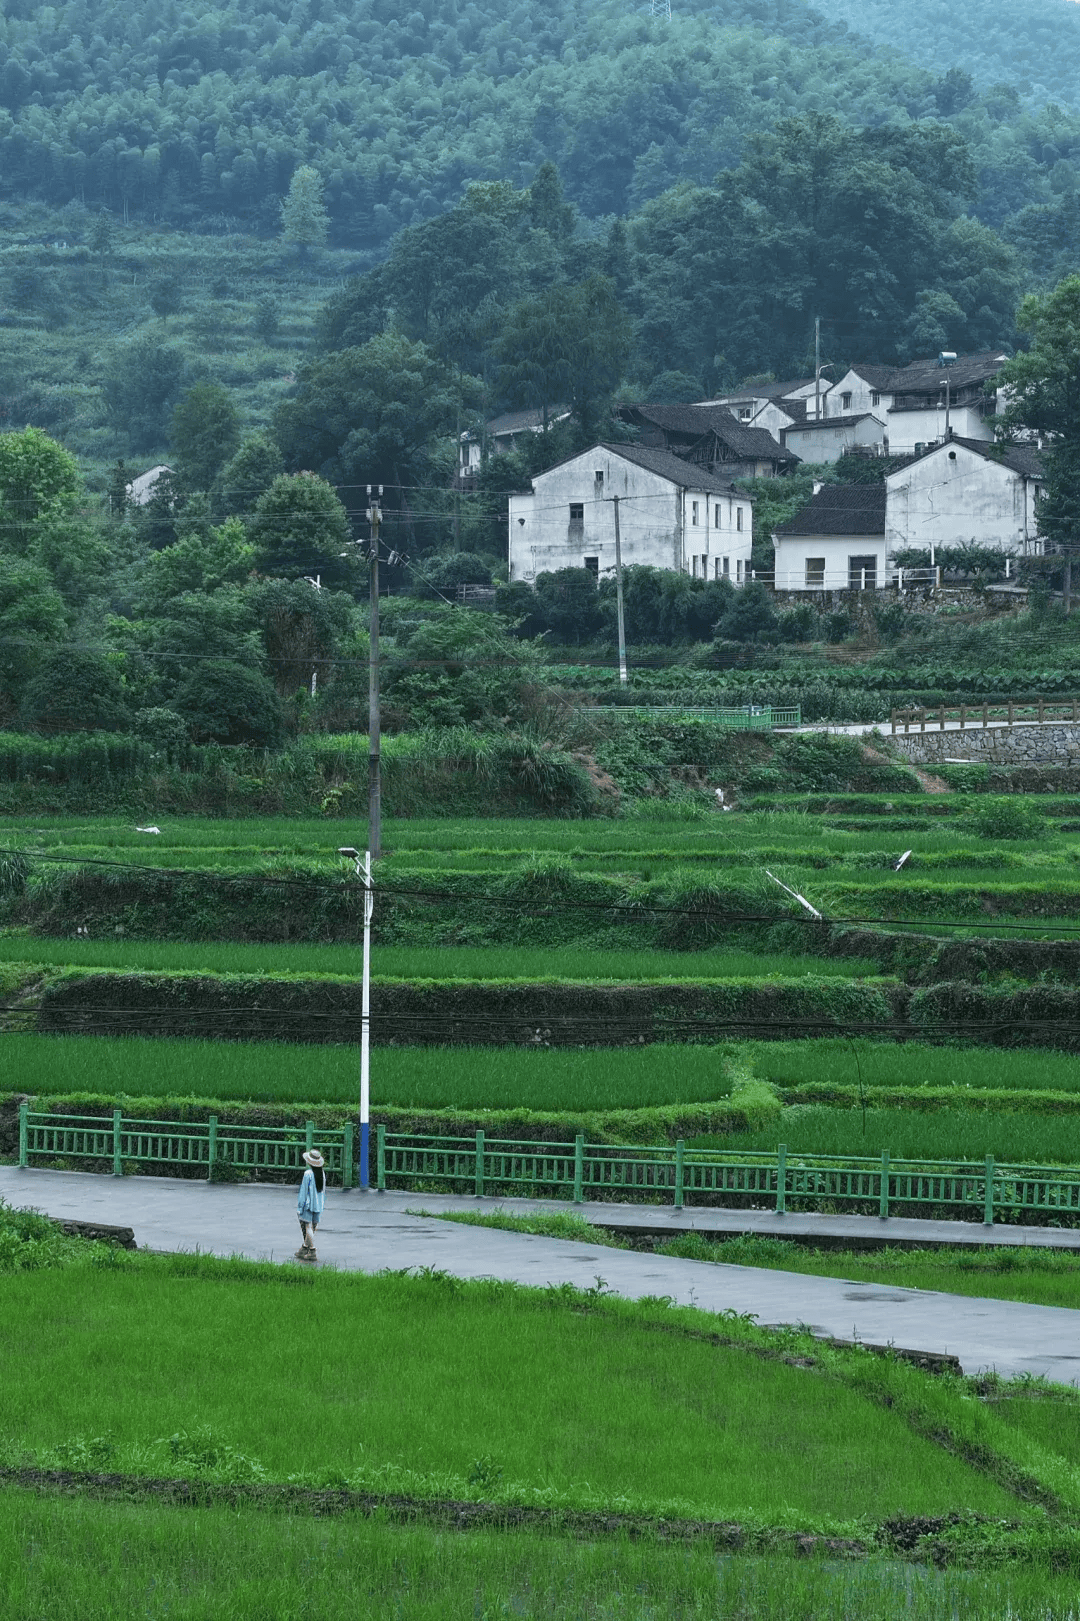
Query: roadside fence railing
750	718
1007	712
486	1166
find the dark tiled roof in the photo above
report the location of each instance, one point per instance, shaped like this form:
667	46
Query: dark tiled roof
695	421
831	422
840	509
924	375
676	468
1022	459
794	408
879	377
517	421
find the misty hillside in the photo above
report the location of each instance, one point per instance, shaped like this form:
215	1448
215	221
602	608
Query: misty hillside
197	113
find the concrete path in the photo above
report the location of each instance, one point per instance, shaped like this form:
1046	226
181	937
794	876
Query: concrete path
371	1231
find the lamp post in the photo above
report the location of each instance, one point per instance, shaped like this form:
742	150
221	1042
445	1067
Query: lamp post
363	872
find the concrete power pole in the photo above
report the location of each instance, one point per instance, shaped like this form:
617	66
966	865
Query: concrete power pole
619	596
374	513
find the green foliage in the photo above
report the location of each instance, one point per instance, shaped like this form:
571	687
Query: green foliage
248	475
39	482
370	414
204	434
1005	818
142	383
304	219
75	689
1044	385
299	526
225	702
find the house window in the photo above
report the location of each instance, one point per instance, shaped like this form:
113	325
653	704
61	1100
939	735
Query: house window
862	573
694	511
815	571
599	479
738	571
727	568
845	401
577	520
593	566
745	413
804	436
875	399
738	517
716	517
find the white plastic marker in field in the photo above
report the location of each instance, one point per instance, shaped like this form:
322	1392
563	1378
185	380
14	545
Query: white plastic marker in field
364	873
802	900
148	830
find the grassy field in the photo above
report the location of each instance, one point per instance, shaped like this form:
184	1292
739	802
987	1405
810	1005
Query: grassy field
83	1561
428	1383
945	1134
428	962
556	1078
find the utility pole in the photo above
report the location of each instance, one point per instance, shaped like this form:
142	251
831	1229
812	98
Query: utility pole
316	581
374	513
817	367
619	595
364	873
1066	584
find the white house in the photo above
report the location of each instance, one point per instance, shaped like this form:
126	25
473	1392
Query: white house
827	438
862	389
672	514
141	490
836	543
966	491
932	399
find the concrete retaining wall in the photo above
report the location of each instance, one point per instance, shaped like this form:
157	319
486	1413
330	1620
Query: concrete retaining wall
1024	744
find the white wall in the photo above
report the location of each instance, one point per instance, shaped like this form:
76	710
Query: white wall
656	521
863	398
791	554
822	442
910	428
954	496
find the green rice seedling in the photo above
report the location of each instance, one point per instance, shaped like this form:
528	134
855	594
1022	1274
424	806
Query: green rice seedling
838	1061
73	1560
432	962
429	1376
944	1135
420	1077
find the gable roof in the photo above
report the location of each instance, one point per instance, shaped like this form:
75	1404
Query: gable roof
753	444
923	375
840	509
687	475
1024	460
832	422
879	377
531	418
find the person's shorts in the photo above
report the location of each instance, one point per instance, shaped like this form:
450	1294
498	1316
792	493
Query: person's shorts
308	1221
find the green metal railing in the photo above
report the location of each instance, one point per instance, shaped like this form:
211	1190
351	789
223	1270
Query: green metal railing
591	1170
204	1145
577	1170
748	719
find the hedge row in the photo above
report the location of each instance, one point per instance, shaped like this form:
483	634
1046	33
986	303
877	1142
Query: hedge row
751	1104
513	1013
456	1012
932	1099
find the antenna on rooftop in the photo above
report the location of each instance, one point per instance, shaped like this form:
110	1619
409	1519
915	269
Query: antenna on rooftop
660	10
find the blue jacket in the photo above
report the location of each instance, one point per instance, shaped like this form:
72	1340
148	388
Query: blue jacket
309	1201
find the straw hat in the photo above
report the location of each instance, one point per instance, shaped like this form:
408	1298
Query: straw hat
313	1158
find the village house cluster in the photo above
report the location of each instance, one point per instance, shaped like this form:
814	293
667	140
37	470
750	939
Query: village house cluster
677	491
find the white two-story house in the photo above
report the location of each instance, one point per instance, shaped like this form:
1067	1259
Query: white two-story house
672	514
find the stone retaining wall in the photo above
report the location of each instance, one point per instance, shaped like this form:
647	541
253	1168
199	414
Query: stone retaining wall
1027	743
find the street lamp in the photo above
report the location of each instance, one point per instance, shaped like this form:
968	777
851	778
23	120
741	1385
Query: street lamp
363	872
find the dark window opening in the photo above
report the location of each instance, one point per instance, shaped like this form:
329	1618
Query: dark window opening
593	566
862	573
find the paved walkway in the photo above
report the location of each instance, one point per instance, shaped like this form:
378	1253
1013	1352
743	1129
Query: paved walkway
371	1231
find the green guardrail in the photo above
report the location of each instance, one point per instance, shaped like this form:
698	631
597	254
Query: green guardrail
581	1170
203	1145
748	719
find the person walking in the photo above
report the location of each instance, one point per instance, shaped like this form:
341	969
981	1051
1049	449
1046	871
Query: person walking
309	1202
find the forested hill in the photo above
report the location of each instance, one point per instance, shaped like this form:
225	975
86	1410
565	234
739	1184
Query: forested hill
190	113
1034	48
